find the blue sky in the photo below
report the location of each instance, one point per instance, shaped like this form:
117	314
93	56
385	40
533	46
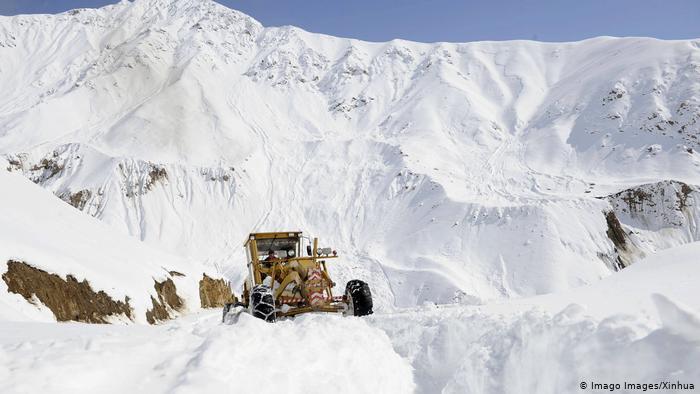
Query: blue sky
452	20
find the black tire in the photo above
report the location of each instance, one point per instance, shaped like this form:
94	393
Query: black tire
359	298
262	303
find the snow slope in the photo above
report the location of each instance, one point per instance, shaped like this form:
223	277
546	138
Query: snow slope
442	172
39	229
640	325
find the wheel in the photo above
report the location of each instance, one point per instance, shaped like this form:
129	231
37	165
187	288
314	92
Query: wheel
359	298
262	304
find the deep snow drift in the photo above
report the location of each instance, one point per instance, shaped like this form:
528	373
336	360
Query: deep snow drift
641	325
442	172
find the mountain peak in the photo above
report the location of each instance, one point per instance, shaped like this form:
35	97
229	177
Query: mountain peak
169	3
151	11
178	6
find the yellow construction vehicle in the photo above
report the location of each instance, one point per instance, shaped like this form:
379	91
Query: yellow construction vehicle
281	282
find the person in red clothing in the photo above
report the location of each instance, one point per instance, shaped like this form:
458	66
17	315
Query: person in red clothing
271	258
271	255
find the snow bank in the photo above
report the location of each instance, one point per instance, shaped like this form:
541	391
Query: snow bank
197	354
554	354
639	325
453	350
465	351
313	353
672	273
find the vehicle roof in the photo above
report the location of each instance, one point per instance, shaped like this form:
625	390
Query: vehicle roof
279	234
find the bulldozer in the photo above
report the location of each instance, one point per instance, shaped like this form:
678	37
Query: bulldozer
281	282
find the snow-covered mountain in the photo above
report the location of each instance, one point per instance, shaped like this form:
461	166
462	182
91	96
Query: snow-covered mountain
144	140
441	172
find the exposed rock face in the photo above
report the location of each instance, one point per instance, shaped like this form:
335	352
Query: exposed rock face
214	293
47	168
14	163
43	170
168	301
650	217
656	205
615	231
617	236
155	174
67	298
77	199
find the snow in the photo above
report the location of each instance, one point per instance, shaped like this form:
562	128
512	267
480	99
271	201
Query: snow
671	272
197	354
459	351
467	183
645	314
453	148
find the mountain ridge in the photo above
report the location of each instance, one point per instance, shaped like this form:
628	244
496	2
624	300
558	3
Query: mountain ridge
444	171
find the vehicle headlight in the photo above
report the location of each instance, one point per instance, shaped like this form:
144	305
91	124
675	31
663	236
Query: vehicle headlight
291	253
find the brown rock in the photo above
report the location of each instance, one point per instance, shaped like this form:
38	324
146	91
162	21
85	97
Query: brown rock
168	300
615	231
68	299
214	293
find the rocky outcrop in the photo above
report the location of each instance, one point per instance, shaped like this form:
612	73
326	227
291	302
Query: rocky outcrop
78	199
615	231
167	302
651	217
666	204
155	174
41	171
619	239
214	293
68	299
